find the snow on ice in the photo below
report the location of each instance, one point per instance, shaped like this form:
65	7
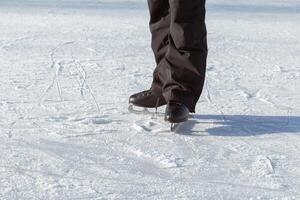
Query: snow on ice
67	68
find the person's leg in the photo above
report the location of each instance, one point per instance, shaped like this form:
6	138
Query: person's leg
160	30
184	64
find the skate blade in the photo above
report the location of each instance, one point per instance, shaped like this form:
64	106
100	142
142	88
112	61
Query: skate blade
143	111
175	126
132	109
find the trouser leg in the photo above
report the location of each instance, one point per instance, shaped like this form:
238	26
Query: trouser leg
183	68
160	30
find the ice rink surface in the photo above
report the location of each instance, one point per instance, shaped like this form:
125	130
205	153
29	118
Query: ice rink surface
68	67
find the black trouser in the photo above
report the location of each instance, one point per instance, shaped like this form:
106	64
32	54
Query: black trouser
180	47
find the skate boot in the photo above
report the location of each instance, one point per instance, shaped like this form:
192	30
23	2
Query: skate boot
146	99
176	113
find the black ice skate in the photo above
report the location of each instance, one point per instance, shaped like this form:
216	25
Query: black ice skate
145	99
176	113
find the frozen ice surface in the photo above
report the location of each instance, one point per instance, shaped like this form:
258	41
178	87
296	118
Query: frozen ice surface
67	68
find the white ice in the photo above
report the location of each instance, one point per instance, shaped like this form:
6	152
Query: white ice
68	67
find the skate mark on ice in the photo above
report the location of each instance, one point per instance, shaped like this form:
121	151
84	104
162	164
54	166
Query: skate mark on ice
82	71
157	126
70	157
247	93
10	129
57	119
7	44
86	120
262	166
80	135
54	50
162	160
209	99
93	119
55	79
255	94
58	70
82	75
151	126
264	99
242	147
262	170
